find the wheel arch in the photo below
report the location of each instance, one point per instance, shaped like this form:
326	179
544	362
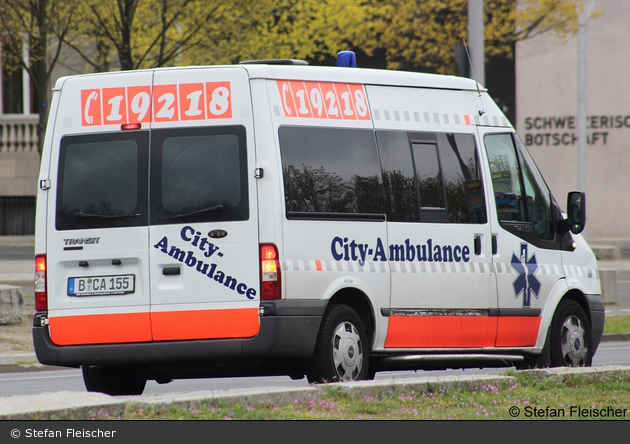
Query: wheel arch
561	291
360	303
576	295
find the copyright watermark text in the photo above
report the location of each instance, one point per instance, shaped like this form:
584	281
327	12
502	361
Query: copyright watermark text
68	433
573	411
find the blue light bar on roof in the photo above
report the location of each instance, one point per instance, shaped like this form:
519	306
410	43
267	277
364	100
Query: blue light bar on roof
346	59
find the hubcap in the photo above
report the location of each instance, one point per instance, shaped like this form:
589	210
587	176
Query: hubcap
573	342
347	352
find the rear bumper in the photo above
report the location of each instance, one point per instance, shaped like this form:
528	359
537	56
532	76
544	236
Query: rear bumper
287	330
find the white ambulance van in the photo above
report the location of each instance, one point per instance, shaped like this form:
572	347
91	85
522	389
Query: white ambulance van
272	218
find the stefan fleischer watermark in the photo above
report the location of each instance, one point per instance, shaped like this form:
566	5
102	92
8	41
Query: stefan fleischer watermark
68	433
573	411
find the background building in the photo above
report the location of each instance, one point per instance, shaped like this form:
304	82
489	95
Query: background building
19	158
546	108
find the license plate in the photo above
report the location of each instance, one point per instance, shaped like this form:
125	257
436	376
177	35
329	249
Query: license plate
101	285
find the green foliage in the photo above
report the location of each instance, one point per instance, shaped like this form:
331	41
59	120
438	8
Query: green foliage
411	34
422	34
135	34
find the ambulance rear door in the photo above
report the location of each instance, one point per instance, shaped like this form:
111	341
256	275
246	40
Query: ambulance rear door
203	207
97	226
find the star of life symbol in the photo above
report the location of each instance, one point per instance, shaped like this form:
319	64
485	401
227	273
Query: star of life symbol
526	283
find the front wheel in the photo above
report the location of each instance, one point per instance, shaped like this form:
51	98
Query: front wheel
571	337
341	352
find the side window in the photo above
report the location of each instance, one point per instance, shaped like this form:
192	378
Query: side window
430	184
330	172
431	177
399	177
520	192
103	181
462	179
199	174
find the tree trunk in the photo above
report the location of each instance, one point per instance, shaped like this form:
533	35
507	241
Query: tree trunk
127	9
39	67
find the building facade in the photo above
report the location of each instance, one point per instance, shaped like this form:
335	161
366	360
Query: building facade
19	158
546	115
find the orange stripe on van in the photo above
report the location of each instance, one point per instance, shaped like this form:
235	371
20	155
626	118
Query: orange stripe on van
318	265
205	324
467	119
100	329
440	331
517	331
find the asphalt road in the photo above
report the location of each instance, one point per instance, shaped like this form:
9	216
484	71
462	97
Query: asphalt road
56	379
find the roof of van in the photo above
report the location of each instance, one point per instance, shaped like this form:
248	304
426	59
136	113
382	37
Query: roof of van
332	74
360	75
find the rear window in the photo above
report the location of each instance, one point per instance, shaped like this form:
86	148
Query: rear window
199	174
102	181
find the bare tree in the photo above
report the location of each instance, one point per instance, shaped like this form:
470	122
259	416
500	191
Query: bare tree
32	33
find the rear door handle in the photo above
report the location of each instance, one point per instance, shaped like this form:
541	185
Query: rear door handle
495	248
171	271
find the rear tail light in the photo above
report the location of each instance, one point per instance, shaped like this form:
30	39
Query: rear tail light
41	296
270	276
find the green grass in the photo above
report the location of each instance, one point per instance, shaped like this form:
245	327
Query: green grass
617	324
530	397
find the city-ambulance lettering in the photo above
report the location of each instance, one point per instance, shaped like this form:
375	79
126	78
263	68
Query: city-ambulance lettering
345	249
195	259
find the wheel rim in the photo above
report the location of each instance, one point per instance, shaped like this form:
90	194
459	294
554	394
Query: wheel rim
573	342
347	352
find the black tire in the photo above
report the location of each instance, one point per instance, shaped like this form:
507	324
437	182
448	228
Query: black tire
571	339
342	350
115	381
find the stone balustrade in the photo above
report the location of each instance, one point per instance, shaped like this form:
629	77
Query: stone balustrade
18	132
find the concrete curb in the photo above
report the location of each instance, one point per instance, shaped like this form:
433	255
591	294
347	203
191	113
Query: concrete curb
85	406
616	337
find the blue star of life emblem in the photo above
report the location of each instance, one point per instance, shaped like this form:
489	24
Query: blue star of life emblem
526	283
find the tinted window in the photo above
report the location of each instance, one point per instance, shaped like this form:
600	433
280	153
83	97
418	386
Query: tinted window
521	194
431	177
399	178
330	171
462	179
429	174
102	181
199	174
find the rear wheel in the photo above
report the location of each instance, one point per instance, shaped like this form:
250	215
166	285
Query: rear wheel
571	338
341	352
115	381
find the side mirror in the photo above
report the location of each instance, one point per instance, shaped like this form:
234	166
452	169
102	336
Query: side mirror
576	211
